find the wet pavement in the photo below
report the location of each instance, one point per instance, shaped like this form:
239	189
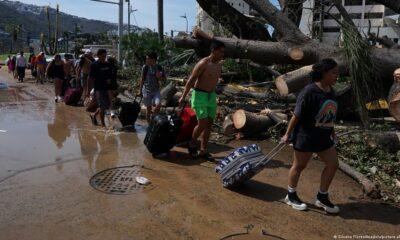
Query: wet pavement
49	152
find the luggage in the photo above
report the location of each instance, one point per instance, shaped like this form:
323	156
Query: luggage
162	133
189	119
129	112
73	95
243	163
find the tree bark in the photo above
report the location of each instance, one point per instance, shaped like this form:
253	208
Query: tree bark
388	141
286	29
250	123
238	24
167	94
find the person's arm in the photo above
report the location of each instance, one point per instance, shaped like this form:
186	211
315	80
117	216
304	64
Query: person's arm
292	123
142	80
197	71
48	69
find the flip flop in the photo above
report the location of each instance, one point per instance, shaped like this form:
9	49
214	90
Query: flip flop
94	121
192	151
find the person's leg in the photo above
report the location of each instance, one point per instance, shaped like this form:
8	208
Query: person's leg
148	114
206	136
329	157
58	83
23	74
300	161
157	102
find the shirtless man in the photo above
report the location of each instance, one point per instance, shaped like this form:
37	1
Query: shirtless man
203	80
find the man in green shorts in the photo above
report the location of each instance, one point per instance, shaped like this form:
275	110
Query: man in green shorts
203	80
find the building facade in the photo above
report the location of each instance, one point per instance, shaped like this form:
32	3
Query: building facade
318	21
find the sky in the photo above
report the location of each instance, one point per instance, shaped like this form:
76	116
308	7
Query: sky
144	16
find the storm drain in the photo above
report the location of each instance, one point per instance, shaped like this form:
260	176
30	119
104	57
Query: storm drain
119	180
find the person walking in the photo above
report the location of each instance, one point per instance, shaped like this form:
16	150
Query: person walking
83	72
55	71
41	65
203	80
101	74
311	129
21	65
152	73
113	86
9	64
32	64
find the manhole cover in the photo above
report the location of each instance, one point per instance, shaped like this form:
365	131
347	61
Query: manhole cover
119	180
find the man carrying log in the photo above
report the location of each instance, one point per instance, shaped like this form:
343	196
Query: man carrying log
203	80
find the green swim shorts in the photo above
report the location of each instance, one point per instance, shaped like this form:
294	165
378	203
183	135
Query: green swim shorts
204	104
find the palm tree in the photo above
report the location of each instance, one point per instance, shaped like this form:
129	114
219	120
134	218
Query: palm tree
66	39
13	29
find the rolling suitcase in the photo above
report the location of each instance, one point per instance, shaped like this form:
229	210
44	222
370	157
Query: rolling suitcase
162	133
73	95
189	119
243	163
129	112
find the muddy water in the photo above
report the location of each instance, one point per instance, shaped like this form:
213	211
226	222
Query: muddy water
48	153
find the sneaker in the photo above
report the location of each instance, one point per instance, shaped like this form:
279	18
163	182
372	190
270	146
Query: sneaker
323	202
293	200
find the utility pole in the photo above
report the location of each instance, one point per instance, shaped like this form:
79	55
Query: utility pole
129	16
185	17
120	24
160	20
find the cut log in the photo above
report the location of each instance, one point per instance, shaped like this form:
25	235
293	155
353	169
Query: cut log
394	99
167	94
277	116
388	141
227	127
250	123
295	53
293	81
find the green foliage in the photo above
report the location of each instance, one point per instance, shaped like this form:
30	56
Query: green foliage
363	71
379	166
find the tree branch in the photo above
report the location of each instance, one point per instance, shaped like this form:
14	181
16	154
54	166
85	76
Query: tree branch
286	29
238	24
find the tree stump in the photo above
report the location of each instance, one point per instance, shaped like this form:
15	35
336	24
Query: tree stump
293	81
250	123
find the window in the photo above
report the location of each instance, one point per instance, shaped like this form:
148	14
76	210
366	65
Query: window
355	15
353	2
373	15
370	2
332	29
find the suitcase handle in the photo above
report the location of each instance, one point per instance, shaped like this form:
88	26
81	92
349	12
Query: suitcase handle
271	154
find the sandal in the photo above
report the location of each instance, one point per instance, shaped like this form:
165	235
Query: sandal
192	151
94	120
206	156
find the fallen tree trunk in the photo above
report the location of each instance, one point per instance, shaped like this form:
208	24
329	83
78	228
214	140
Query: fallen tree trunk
167	94
250	123
388	141
277	115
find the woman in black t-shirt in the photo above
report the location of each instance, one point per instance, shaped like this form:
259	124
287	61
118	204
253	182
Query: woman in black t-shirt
55	71
311	131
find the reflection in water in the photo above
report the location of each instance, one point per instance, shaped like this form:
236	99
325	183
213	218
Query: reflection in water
59	130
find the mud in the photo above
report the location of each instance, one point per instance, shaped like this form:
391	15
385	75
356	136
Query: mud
50	151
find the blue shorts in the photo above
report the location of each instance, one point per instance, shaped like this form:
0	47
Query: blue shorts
150	99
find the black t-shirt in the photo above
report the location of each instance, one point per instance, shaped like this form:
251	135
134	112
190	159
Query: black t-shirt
316	110
100	71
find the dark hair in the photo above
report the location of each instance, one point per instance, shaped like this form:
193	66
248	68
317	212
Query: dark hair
318	69
215	45
22	52
57	56
101	51
152	55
